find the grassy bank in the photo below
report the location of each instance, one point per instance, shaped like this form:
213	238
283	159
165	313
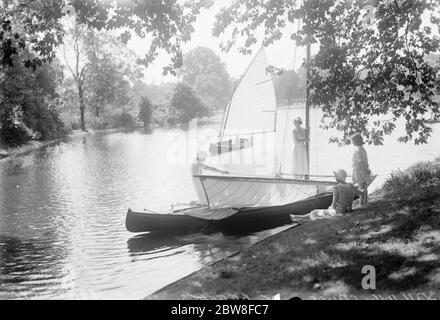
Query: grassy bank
397	233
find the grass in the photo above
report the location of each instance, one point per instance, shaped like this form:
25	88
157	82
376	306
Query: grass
397	233
419	182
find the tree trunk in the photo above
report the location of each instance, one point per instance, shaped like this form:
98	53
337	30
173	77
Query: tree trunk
81	107
147	127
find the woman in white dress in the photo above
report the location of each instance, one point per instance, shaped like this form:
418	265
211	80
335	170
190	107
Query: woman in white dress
300	157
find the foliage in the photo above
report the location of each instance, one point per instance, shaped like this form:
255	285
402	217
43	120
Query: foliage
48	124
77	63
110	68
124	120
204	72
289	86
68	104
159	94
34	25
419	182
101	68
168	22
146	111
371	59
185	105
27	100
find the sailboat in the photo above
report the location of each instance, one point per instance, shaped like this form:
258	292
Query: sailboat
244	201
239	191
251	109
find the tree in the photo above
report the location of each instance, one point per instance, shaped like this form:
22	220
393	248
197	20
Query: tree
146	113
185	105
110	68
204	72
168	22
288	87
101	67
78	64
27	102
371	59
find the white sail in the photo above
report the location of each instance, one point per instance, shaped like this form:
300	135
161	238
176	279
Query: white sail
253	191
252	108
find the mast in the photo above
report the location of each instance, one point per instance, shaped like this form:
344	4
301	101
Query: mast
308	104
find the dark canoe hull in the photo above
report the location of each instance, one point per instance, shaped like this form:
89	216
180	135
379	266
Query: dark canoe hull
229	145
245	220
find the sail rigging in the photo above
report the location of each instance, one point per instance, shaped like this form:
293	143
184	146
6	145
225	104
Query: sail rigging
252	107
253	100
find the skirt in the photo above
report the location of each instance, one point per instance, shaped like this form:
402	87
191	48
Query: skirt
300	160
318	214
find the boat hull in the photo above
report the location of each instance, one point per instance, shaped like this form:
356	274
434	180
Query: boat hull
245	220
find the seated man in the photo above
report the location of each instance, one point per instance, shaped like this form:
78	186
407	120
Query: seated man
197	168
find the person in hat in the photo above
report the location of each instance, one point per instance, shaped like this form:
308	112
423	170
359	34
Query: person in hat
343	193
361	169
197	168
300	156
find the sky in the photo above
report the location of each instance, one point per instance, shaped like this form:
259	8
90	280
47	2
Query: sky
280	54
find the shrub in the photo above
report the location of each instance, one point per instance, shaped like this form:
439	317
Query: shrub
49	125
97	123
419	182
15	135
185	105
125	120
145	111
75	125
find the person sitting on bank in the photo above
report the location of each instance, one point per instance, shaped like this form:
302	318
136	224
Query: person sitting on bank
343	196
197	168
343	193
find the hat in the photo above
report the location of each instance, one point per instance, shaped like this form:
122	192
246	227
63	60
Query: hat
340	175
298	120
201	155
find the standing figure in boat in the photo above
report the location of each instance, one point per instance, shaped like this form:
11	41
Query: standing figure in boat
361	169
300	156
197	168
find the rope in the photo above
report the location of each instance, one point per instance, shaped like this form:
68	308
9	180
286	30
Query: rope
316	143
288	110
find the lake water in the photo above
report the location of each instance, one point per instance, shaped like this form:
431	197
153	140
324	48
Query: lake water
62	208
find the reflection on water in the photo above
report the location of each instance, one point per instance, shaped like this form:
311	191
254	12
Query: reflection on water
62	220
62	212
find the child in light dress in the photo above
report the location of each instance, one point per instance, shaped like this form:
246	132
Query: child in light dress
361	169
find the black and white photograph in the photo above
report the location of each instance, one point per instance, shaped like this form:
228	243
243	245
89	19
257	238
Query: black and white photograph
220	150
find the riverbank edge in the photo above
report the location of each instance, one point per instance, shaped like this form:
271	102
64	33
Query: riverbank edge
7	153
324	259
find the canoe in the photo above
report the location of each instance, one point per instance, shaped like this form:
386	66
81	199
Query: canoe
230	145
241	221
